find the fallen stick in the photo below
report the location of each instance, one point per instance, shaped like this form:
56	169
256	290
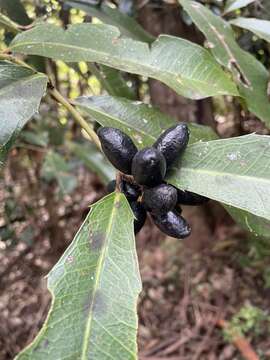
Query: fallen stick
240	343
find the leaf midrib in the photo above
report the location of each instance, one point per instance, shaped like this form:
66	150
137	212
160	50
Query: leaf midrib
215	174
264	182
100	265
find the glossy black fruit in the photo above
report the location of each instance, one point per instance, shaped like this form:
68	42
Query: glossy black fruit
172	142
140	215
172	224
148	167
160	199
132	191
190	198
118	148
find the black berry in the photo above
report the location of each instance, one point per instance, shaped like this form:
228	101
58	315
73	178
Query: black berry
132	191
160	199
172	142
190	198
140	215
148	167
118	148
172	224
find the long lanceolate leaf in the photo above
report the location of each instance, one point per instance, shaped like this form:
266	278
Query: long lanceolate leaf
259	27
184	66
232	5
112	16
233	171
95	286
249	73
20	93
254	224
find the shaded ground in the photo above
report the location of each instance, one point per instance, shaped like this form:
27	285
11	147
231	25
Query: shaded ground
187	286
186	293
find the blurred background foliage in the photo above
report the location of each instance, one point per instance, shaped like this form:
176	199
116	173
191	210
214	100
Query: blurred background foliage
53	174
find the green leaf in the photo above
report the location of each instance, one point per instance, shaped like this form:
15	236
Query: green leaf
112	16
254	224
259	27
95	287
233	171
40	138
232	5
56	168
142	122
20	93
249	73
93	160
16	11
184	66
112	81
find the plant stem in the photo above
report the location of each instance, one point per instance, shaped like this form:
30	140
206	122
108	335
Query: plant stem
118	181
9	24
76	115
56	94
13	59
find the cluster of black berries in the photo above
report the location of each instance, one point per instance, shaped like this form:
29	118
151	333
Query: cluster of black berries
148	168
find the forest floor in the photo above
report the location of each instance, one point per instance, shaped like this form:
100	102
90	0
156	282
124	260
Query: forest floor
189	288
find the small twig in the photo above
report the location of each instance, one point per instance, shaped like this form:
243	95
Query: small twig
118	181
9	24
157	348
76	115
27	27
241	343
190	334
206	338
129	178
6	51
6	56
